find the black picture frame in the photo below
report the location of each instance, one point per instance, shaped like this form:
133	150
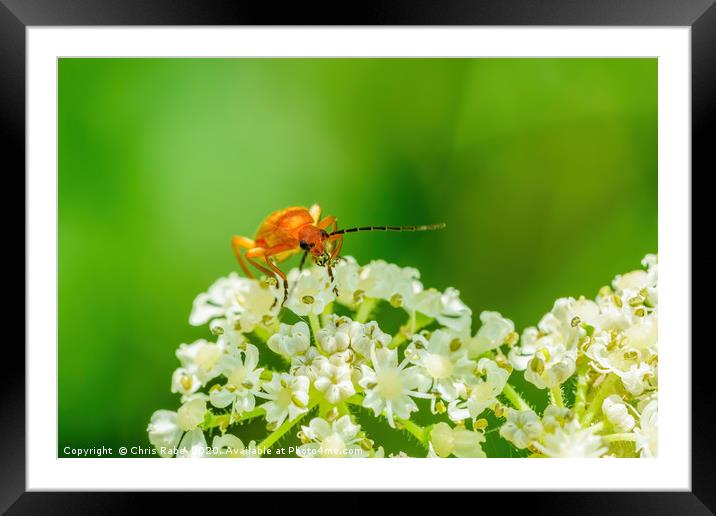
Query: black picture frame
699	15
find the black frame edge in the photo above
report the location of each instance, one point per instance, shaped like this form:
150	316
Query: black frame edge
12	136
703	127
367	12
534	503
13	21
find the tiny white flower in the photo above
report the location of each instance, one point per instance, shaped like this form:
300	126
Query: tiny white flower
615	313
199	364
365	337
443	359
632	281
377	279
563	436
191	414
614	353
458	441
164	432
390	386
390	282
288	397
483	391
206	360
550	350
647	435
302	365
228	330
544	358
290	340
185	382
634	295
331	440
248	299
636	378
572	441
311	291
555	417
522	428
335	336
566	322
617	413
333	379
192	445
492	334
643	334
216	301
347	278
650	261
243	380
447	308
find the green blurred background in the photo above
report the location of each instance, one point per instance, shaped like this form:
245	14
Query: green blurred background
545	171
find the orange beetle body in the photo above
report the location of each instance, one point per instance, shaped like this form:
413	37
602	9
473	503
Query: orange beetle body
292	230
289	227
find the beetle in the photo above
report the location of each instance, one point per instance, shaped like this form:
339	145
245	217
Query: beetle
292	230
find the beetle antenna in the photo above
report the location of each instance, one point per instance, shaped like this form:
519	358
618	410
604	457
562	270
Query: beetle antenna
430	227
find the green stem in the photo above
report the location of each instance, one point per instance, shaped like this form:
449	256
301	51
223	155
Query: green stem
595	406
418	431
274	436
262	332
315	326
326	313
224	420
580	395
416	322
556	394
343	409
627	436
365	308
514	397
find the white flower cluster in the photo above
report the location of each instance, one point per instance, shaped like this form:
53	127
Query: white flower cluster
617	333
557	434
610	344
338	366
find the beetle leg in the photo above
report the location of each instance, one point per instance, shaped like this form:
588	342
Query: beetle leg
334	252
259	252
333	280
237	243
269	261
338	244
266	254
327	222
303	261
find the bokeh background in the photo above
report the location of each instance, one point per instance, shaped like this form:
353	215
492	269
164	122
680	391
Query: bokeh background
545	171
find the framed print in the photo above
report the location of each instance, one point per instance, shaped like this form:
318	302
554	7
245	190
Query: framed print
449	237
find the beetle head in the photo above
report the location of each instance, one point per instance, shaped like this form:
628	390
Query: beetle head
313	240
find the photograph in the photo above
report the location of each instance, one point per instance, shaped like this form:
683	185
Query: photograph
418	231
347	257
